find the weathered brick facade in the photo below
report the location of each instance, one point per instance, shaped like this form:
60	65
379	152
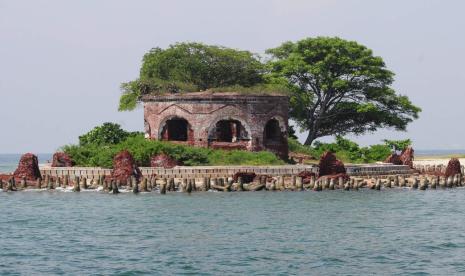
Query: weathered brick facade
219	120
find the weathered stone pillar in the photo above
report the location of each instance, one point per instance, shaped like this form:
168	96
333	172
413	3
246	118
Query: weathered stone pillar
340	182
331	184
281	185
144	185
299	183
163	185
203	188
50	184
189	186
165	181
24	182
293	182
240	185
114	186
171	184
423	184
378	184
77	187
135	187
449	182
84	183
105	185
442	182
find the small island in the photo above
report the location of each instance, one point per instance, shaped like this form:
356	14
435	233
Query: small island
217	118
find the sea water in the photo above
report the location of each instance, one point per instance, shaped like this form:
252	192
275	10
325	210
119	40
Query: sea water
388	232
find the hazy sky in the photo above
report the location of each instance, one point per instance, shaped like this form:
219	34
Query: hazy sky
61	62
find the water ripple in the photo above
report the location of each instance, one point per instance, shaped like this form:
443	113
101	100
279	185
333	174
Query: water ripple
262	233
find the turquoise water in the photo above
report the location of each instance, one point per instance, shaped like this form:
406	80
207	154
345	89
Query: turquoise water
251	233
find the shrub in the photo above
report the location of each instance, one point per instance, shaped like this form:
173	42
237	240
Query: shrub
106	134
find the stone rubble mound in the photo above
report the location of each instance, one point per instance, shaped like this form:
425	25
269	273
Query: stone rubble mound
329	165
306	176
28	167
124	166
407	157
61	159
453	168
394	159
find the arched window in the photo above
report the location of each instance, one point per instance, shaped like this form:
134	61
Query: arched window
272	133
229	131
175	129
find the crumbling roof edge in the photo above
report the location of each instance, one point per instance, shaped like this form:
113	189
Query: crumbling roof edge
212	96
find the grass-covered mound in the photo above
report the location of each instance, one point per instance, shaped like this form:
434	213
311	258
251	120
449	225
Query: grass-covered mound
98	147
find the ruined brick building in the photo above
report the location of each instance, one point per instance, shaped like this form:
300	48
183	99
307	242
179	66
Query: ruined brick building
219	120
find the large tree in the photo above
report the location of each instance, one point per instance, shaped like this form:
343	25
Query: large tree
339	87
191	67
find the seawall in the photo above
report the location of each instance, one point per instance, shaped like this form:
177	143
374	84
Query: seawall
220	171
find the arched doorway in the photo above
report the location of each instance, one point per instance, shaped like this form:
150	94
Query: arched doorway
272	134
176	129
275	137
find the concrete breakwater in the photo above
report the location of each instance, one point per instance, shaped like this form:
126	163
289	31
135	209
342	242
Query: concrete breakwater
231	178
434	168
220	171
238	182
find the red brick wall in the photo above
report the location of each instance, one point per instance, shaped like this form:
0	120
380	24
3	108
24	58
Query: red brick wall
204	110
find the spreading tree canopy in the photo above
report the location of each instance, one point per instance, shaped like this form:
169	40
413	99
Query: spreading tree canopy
191	67
339	87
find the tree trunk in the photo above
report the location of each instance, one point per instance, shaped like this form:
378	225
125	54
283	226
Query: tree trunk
310	138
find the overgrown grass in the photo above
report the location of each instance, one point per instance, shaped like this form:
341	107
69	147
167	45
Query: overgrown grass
259	89
344	149
98	147
142	149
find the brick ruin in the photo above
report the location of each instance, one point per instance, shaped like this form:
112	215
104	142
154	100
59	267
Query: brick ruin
219	120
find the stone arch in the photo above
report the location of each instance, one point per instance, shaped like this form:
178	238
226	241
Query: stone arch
274	131
175	128
237	133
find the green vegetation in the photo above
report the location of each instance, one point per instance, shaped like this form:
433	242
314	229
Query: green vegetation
98	147
340	87
95	152
347	151
336	87
108	133
398	145
189	67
